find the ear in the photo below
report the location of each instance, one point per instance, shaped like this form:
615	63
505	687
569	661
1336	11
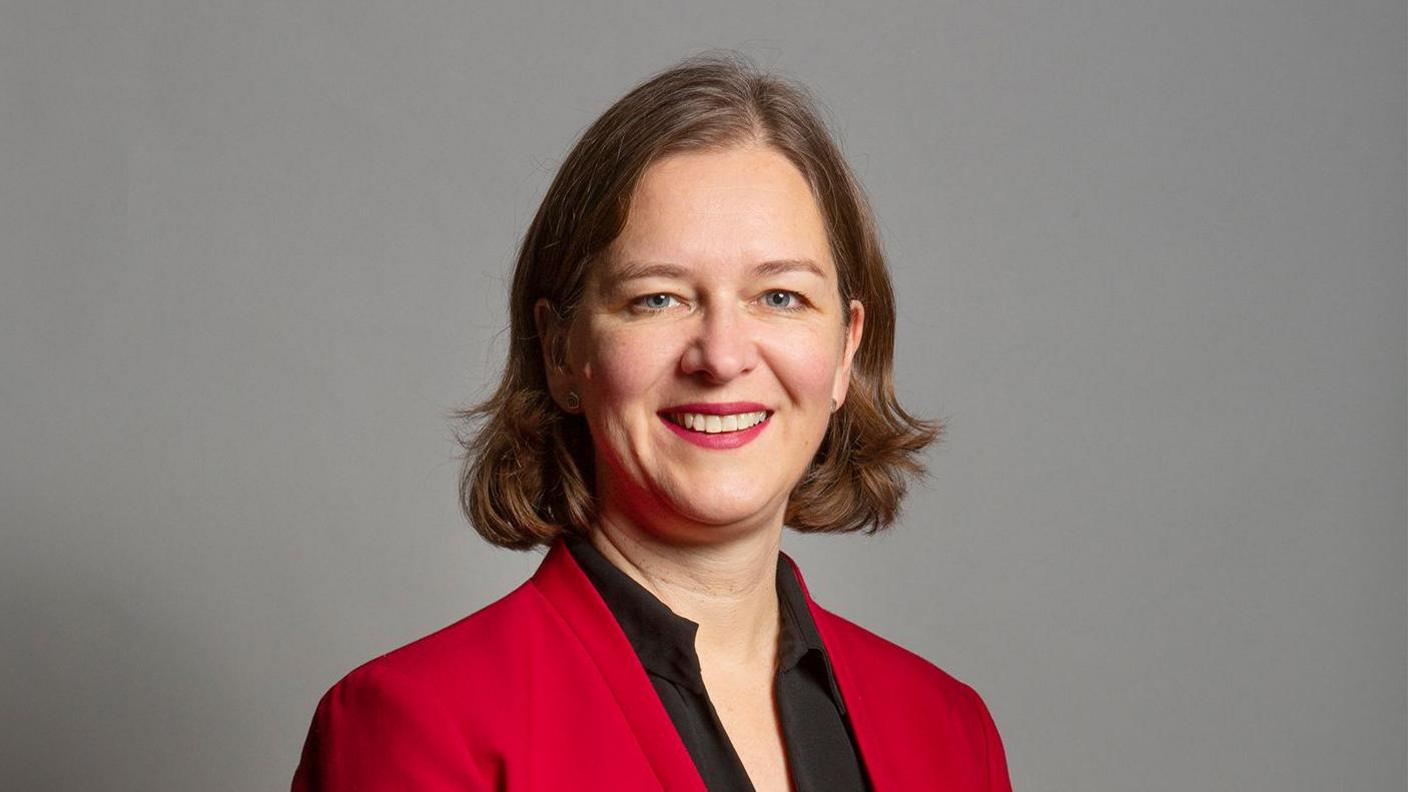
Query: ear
855	330
552	338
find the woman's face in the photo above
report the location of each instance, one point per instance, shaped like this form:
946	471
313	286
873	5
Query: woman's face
717	302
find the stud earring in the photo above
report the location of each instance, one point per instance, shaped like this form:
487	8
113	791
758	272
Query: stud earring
833	405
573	402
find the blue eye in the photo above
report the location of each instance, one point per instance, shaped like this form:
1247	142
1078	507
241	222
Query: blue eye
655	302
791	301
779	299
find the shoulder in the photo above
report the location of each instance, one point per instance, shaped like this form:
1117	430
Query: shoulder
485	640
893	673
410	718
910	701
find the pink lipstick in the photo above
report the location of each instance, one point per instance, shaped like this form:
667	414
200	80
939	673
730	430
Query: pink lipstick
717	408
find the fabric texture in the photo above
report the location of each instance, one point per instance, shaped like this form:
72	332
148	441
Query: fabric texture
541	690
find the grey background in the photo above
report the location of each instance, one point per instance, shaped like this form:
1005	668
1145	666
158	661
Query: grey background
1151	266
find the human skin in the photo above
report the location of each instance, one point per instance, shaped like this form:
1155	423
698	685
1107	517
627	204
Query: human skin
701	527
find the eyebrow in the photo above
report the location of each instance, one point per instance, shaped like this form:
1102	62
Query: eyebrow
636	270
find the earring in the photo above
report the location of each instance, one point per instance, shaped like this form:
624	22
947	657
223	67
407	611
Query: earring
573	402
833	405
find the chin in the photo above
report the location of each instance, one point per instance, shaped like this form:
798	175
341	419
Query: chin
743	513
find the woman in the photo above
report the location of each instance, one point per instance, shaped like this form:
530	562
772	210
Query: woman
702	337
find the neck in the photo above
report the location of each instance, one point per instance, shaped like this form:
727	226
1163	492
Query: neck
728	588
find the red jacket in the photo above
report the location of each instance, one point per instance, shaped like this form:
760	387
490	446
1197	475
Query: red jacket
542	691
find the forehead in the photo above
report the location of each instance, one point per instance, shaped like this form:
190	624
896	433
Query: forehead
723	209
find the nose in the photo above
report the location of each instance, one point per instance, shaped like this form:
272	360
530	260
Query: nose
722	347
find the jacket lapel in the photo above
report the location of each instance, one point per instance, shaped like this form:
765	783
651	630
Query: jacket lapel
569	592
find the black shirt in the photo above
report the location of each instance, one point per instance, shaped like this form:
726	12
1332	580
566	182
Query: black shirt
820	745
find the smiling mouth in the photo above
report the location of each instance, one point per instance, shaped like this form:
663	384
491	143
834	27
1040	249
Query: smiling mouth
717	424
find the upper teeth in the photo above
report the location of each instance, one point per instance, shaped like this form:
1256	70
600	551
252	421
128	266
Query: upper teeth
712	424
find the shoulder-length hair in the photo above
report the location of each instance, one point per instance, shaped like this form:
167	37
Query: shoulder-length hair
528	468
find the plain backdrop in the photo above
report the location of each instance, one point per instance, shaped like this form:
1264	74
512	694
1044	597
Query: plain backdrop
1151	267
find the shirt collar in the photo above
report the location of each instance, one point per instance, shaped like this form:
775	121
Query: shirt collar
664	640
799	639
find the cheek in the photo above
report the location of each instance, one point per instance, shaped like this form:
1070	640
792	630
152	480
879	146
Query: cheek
806	364
626	365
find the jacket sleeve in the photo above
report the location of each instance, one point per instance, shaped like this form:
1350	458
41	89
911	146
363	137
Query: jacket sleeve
994	757
378	730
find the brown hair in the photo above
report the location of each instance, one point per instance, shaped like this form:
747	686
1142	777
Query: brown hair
528	466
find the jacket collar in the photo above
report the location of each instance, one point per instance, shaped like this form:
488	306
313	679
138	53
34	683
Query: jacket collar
570	593
662	639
